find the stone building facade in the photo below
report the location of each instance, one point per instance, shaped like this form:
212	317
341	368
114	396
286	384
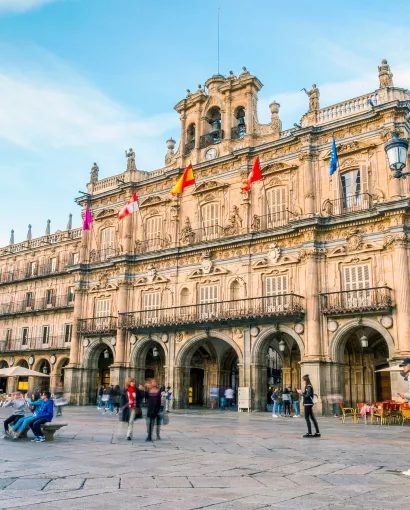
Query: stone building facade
305	273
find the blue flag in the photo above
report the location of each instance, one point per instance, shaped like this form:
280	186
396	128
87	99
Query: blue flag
333	158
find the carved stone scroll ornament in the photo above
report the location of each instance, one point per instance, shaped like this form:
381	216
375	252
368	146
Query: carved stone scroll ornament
308	253
354	239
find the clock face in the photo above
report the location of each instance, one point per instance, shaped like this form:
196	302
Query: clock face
210	154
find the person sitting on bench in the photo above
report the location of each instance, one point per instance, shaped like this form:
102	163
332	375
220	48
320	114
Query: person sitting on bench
18	403
22	424
44	415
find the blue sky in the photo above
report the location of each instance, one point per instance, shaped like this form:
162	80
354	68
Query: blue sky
83	80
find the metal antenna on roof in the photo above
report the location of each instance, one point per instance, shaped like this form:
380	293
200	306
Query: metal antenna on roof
218	37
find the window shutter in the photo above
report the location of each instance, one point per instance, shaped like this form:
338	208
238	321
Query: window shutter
210	219
364	179
357	277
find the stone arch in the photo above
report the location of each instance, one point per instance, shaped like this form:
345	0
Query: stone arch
258	348
59	363
22	362
338	341
191	345
141	348
39	361
4	363
94	350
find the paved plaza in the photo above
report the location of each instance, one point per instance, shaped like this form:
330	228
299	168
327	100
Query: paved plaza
214	459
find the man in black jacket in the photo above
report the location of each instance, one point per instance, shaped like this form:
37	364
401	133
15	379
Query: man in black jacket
153	396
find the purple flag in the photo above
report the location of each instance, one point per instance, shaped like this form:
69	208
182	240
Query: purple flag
87	219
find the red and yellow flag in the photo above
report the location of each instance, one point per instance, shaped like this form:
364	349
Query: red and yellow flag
254	176
186	179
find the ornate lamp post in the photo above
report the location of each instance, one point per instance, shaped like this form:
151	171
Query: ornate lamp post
396	151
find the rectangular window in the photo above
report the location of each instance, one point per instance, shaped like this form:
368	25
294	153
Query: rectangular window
276	206
107	243
33	269
49	297
356	279
24	336
68	328
151	305
276	288
208	297
210	221
76	258
102	312
154	232
45	334
53	264
29	299
70	294
11	274
7	337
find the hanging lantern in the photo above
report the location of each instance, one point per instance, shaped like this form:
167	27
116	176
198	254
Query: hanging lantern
396	150
282	346
45	371
106	354
155	352
364	341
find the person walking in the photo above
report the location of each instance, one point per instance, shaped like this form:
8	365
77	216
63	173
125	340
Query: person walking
307	395
100	396
18	404
116	399
229	393
275	400
134	402
153	409
286	401
295	401
280	401
168	398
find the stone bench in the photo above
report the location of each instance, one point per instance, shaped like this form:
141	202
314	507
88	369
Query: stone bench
48	429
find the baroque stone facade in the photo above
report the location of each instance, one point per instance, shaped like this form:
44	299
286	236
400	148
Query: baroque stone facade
217	287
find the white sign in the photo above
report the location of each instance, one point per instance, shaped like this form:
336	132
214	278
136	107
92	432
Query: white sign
244	399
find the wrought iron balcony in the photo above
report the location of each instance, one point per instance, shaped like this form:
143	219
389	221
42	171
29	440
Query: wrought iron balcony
191	236
9	276
188	147
211	138
102	255
98	325
155	244
215	313
272	220
348	204
374	299
36	343
238	132
36	305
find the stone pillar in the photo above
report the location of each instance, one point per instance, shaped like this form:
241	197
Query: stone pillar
245	369
175	205
395	187
75	337
54	381
121	333
313	347
128	234
308	183
402	293
85	239
246	204
12	384
258	386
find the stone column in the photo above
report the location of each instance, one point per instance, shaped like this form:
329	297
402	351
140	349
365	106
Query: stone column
121	333
85	239
12	384
395	187
313	347
128	234
402	293
246	204
175	206
75	337
308	183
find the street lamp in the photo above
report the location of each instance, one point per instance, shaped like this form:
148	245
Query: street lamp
364	341
282	346
106	354
396	151
155	352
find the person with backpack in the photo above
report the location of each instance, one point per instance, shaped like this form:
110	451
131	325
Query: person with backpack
309	399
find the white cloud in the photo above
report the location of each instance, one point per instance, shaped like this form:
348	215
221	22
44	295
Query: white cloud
20	6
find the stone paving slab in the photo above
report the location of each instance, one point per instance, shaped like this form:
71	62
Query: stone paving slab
207	460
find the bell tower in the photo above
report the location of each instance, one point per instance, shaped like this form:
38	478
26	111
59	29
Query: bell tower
218	118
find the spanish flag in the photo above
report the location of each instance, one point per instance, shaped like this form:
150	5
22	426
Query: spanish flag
186	179
254	176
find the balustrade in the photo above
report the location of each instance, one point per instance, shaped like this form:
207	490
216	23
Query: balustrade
359	300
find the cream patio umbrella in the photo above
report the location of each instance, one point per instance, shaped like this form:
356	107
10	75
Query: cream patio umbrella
20	372
388	369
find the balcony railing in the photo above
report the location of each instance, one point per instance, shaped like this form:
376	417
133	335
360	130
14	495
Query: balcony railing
211	138
189	147
238	132
272	220
36	304
361	300
102	255
348	204
155	244
7	276
98	324
36	343
347	108
220	311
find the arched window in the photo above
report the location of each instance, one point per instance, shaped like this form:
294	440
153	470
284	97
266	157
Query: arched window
239	130
210	221
154	232
190	139
276	207
107	243
184	297
235	291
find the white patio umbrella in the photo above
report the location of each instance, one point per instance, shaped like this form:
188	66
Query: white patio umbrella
388	369
20	372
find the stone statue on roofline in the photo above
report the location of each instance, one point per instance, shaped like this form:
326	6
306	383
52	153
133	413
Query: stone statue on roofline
130	155
385	75
313	95
94	173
